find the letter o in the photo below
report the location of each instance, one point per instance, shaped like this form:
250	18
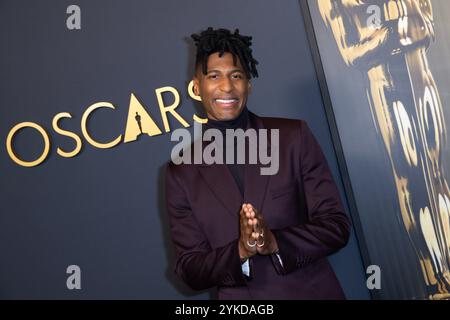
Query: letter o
11	153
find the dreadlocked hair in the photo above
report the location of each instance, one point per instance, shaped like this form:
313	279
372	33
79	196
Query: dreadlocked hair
211	41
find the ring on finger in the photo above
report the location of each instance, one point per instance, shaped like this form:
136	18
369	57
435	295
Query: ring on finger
251	245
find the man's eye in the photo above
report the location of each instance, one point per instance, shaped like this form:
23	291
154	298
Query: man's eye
212	76
236	76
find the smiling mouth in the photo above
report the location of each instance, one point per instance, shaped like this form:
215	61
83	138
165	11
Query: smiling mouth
226	102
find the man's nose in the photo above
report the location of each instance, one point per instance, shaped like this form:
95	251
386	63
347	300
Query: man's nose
226	85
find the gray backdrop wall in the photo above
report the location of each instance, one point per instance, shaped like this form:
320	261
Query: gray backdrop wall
103	209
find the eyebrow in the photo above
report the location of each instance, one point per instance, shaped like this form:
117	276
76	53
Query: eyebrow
231	71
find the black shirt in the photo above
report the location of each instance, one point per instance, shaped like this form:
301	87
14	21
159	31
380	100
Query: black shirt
240	122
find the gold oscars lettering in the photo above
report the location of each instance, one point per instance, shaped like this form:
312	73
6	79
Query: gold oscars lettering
138	122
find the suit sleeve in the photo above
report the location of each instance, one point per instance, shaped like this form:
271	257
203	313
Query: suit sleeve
199	265
328	227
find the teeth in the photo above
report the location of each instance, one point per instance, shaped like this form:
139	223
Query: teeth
225	100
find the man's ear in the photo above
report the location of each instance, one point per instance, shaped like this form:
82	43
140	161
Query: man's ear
249	87
196	86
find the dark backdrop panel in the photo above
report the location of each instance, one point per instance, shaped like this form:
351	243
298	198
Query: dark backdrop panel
103	210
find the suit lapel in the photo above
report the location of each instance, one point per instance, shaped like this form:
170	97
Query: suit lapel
222	184
255	183
219	179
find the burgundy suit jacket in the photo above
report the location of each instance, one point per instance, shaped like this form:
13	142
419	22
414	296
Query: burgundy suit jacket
300	204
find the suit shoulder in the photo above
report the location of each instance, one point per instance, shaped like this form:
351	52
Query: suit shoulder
176	169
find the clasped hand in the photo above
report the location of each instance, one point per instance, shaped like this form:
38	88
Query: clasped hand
255	237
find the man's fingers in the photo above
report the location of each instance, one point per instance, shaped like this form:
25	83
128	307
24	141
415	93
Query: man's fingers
249	212
248	220
255	219
257	231
255	235
252	222
246	228
259	227
246	225
245	209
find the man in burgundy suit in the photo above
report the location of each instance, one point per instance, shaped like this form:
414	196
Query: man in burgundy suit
253	236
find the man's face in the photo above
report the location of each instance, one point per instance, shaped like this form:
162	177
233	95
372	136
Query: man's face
224	89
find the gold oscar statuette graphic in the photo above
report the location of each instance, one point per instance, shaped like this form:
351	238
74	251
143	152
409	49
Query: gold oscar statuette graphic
408	116
139	121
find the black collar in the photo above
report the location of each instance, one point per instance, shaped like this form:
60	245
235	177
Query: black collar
240	122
